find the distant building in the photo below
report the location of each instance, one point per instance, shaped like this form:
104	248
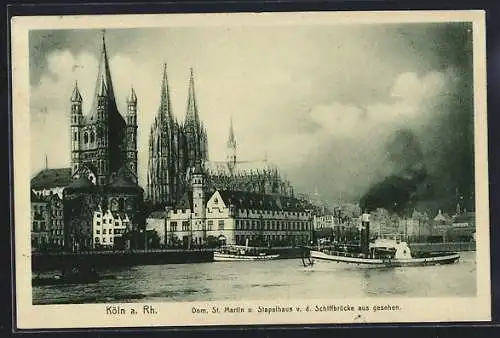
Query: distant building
56	221
157	222
40	218
107	227
51	181
323	222
47	222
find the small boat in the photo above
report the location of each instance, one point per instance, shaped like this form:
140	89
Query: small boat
74	276
380	253
242	253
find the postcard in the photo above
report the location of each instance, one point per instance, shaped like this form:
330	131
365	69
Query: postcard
177	170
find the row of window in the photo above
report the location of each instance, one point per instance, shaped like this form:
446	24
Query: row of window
41	241
272	212
97	240
272	225
249	225
110	221
109	231
241	239
185	226
87	137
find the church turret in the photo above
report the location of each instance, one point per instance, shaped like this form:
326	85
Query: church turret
76	123
132	132
197	184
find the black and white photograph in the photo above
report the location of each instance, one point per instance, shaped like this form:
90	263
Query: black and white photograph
212	169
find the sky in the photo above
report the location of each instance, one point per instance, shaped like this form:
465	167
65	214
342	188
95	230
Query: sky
320	101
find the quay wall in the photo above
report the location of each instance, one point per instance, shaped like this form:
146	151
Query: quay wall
446	246
108	259
58	261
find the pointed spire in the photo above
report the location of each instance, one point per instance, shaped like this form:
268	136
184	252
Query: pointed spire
102	88
192	109
76	96
231	141
132	97
46	162
104	83
165	106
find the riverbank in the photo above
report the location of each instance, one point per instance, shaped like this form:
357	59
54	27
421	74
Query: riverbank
107	259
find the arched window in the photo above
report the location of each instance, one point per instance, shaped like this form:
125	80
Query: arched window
92	137
86	138
75	136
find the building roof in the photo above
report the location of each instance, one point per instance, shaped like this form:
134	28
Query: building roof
119	215
257	201
465	218
122	180
186	201
51	178
244	168
159	214
81	182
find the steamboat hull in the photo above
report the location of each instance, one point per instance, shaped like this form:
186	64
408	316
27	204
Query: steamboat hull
220	257
373	263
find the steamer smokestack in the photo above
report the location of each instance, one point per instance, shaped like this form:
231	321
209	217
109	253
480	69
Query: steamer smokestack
365	233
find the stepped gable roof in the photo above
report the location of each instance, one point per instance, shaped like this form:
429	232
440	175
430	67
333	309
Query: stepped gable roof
37	199
258	201
51	178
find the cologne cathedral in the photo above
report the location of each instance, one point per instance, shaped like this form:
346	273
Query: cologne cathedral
175	148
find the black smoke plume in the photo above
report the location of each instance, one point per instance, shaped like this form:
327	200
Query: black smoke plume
397	191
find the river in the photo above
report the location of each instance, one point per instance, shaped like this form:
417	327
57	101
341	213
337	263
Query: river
285	279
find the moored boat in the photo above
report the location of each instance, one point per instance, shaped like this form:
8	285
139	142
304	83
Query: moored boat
380	253
74	276
242	253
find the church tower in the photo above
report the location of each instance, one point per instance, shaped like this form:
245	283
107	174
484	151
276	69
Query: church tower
163	165
102	141
231	148
132	132
194	132
76	124
197	185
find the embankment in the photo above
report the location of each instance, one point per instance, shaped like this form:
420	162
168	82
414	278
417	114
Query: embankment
47	262
448	246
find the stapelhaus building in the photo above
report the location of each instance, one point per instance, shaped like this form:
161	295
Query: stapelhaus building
236	217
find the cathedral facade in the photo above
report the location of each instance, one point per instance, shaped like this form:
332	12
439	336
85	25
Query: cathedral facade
176	148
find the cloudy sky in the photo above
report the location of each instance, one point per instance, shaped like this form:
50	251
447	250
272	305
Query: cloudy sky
320	101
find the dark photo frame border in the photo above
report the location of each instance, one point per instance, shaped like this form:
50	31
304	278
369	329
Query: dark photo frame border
80	7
